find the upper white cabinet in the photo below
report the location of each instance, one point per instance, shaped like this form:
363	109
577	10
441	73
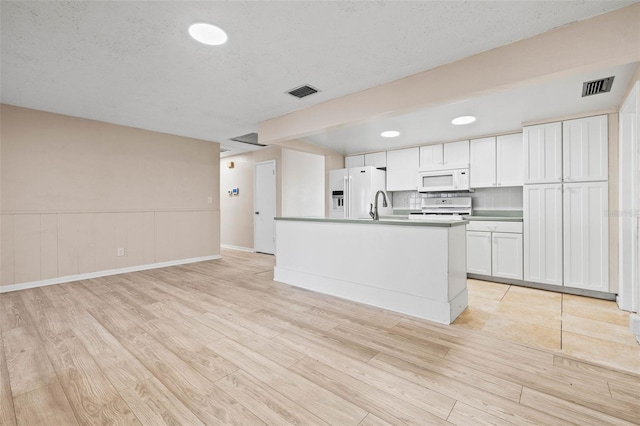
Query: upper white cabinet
496	161
441	155
509	160
584	149
376	159
456	153
482	162
542	145
431	156
543	233
402	169
354	161
586	235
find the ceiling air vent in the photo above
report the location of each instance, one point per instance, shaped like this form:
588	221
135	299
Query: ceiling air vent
597	86
302	91
250	138
224	150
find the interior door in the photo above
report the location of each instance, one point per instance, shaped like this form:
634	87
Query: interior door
264	239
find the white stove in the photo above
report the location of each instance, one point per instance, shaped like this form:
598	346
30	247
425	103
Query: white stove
444	209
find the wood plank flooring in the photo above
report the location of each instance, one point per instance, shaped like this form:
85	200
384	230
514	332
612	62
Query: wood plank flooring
220	343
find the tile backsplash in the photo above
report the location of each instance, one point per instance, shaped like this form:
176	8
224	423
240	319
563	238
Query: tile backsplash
504	198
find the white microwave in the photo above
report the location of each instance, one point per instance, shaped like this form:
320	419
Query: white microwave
443	180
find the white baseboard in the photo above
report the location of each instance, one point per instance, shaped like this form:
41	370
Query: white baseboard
70	278
230	247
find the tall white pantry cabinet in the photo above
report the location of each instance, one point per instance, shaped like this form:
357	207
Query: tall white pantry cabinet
565	203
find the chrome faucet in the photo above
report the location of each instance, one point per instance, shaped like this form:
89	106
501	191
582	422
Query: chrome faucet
373	211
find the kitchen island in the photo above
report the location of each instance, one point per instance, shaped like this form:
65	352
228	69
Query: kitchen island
416	267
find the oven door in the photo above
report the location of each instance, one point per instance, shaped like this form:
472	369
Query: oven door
437	181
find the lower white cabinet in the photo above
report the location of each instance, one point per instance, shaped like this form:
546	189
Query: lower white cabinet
543	233
479	252
586	235
506	255
495	249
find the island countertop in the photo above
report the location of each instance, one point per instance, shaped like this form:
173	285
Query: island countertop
384	220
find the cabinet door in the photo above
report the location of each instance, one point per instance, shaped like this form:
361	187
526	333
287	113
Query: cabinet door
509	160
482	162
586	236
585	149
402	169
506	255
542	146
376	159
456	153
479	252
354	161
431	156
543	233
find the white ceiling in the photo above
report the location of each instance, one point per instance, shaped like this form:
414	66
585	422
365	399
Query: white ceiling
133	63
498	113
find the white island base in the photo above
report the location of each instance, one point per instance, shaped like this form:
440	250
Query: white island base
413	268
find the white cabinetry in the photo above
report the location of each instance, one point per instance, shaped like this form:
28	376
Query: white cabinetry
494	248
543	153
543	233
431	156
496	161
479	252
402	169
452	154
482	164
456	153
586	235
509	160
506	255
566	224
376	159
354	161
584	149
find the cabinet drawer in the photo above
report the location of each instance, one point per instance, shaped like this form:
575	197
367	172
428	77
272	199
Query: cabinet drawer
495	226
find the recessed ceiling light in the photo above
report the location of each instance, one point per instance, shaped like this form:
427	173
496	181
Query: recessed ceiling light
207	34
390	134
465	119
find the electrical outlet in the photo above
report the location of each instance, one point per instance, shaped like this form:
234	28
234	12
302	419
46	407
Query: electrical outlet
209	200
120	252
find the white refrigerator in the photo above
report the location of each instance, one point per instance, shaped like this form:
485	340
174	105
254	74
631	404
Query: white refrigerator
353	190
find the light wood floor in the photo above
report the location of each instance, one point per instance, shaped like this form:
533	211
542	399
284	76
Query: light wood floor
219	342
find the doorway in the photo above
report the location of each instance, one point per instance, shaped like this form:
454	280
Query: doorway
264	203
628	293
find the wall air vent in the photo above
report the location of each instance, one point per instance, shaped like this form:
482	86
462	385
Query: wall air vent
302	91
597	86
250	138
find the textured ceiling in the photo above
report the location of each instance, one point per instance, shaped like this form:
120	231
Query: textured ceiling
133	63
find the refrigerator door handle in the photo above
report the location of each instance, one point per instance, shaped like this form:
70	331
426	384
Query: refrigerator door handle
345	187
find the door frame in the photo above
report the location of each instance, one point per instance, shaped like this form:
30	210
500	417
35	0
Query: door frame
629	288
255	196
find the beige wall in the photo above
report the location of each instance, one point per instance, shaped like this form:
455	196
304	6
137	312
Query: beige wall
75	190
237	211
614	36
